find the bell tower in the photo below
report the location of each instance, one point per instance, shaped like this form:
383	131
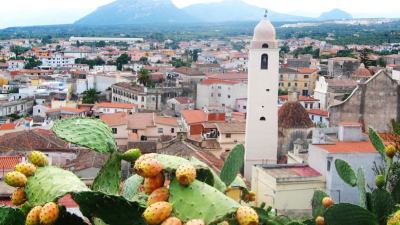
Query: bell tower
262	98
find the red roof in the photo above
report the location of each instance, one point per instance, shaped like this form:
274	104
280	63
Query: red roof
318	112
349	147
170	121
7	126
305	171
218	81
184	100
301	98
9	162
67	109
115	105
307	70
194	116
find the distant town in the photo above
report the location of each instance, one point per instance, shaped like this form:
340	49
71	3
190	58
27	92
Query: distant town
310	101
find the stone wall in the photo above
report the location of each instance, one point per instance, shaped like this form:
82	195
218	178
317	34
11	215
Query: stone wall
374	103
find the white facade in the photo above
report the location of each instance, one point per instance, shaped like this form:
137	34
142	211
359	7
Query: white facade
105	68
16	64
262	108
220	93
321	92
57	60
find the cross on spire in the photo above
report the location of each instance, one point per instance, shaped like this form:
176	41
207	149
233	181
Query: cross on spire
266	13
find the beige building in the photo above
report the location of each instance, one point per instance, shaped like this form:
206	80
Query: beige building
230	134
286	188
303	79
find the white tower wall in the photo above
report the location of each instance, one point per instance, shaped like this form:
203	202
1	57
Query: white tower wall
262	135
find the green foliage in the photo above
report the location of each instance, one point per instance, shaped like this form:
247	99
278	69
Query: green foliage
307	50
348	214
377	142
131	186
396	192
122	59
90	96
144	78
395	126
11	216
345	53
86	132
179	63
113	210
50	183
18	50
200	200
109	177
32	62
91	62
232	165
382	205
361	187
346	172
317	208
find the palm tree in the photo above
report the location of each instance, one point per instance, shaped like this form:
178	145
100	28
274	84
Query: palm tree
144	77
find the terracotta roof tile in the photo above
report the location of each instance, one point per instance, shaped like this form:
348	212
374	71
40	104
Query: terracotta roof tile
7	126
350	147
115	105
9	162
184	100
114	119
301	98
170	121
318	112
194	116
218	81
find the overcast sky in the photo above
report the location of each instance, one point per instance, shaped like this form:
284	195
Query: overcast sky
41	12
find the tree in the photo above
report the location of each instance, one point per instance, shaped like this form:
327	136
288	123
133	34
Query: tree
194	54
90	96
18	50
101	44
345	53
144	77
46	39
144	60
122	59
381	62
32	63
364	57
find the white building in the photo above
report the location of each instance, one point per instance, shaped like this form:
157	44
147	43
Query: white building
16	65
105	68
216	92
105	39
57	60
109	107
262	109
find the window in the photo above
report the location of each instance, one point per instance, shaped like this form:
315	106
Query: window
114	130
172	130
295	84
320	119
38	110
228	135
219	87
212	95
289	84
264	62
306	105
161	130
219	94
229	96
265	45
134	131
142	98
312	117
244	107
262	118
328	165
305	84
306	76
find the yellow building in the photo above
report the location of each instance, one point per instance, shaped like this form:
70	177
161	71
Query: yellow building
286	188
302	78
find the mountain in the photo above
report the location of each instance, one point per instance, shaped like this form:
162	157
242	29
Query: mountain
235	10
335	14
136	12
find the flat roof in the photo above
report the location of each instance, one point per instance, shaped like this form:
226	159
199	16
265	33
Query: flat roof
284	171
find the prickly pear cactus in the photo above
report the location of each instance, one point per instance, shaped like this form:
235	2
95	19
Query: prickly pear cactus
113	210
317	208
361	187
50	183
232	165
11	216
199	200
131	186
346	172
109	177
382	204
86	132
376	140
348	214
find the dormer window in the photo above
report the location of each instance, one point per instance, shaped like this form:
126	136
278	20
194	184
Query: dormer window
265	45
264	62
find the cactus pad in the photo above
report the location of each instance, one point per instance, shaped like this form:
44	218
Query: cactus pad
200	201
86	132
346	172
109	177
376	140
113	210
131	186
361	187
50	183
11	216
382	204
317	208
348	214
67	218
232	165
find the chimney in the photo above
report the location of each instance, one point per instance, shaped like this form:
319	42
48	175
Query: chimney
292	94
350	131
